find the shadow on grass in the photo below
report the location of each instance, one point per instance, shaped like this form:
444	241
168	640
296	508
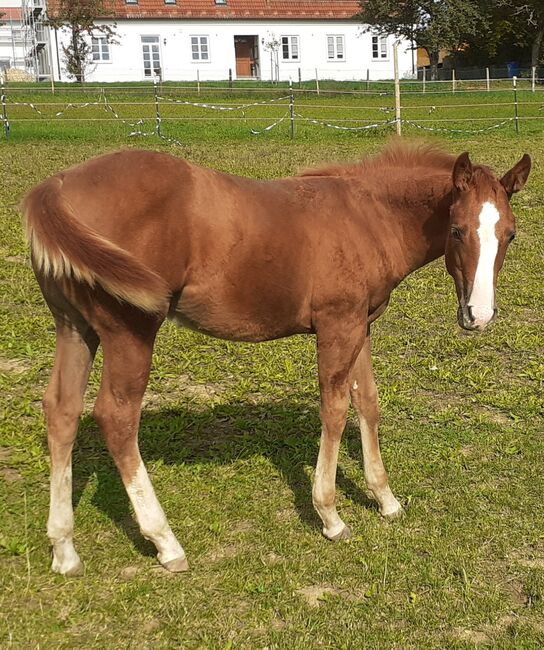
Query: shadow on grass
284	432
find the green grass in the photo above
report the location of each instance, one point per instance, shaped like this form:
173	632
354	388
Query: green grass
230	435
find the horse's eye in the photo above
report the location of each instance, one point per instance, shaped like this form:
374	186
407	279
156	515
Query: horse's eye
457	233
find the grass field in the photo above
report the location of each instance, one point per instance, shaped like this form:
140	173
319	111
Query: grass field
230	435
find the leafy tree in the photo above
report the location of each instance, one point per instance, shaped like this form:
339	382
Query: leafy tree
526	20
431	24
80	17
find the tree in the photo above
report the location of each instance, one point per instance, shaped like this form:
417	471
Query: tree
80	17
431	24
527	23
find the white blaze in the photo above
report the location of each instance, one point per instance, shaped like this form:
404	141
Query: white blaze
482	298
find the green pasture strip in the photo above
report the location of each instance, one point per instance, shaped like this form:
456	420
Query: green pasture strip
122	111
230	434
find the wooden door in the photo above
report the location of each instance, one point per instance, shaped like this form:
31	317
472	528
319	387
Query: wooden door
242	49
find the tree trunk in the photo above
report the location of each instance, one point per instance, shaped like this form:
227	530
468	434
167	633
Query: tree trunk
537	45
78	64
434	56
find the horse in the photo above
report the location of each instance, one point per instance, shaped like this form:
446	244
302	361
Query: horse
125	240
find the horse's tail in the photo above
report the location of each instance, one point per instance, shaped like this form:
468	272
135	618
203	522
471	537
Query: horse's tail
63	247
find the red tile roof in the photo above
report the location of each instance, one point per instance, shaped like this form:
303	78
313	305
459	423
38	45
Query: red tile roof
234	9
10	12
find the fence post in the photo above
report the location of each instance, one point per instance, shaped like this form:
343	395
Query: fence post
367	79
316	81
198	82
533	79
299	78
397	87
157	111
487	84
424	78
3	99
453	81
230	77
516	115
291	110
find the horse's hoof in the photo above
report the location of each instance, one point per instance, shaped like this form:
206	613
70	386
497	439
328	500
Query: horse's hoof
393	514
74	571
177	565
345	533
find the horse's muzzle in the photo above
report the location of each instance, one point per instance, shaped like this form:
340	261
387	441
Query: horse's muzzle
467	322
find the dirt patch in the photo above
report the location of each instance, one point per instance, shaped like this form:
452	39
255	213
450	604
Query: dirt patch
487	633
534	563
16	259
129	572
314	595
242	526
13	366
9	475
223	553
5	453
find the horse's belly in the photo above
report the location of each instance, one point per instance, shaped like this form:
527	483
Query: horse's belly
254	322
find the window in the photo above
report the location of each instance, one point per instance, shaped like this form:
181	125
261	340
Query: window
379	47
335	48
289	48
200	49
220	2
100	49
152	55
169	2
131	2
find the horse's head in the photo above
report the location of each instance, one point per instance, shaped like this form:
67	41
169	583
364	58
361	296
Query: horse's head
481	227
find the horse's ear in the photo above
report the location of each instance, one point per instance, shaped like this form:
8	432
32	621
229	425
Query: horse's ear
462	172
514	180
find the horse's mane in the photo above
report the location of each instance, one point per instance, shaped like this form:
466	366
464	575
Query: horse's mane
396	155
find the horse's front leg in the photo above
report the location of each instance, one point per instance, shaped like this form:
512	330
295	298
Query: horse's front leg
336	353
364	398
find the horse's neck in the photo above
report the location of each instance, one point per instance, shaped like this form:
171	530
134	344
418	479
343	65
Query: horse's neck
424	219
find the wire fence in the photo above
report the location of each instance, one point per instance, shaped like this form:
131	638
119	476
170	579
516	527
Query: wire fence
171	111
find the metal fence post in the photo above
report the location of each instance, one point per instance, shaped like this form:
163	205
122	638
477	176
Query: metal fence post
157	110
397	87
424	79
487	84
453	81
198	82
299	78
316	82
516	114
3	99
533	79
291	110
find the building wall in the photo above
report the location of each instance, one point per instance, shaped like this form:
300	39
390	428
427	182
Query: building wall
11	39
126	58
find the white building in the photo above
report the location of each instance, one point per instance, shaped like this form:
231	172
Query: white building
24	38
12	54
212	39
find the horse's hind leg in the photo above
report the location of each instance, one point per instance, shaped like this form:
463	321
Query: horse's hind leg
63	403
127	362
364	398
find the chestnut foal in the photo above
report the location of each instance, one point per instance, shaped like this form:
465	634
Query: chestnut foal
125	240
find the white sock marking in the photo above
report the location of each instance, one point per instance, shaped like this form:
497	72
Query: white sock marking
482	297
151	517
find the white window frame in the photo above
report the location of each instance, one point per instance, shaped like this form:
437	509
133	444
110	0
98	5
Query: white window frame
292	39
100	42
150	43
199	44
380	48
336	40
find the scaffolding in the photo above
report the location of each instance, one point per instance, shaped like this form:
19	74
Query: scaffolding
36	39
